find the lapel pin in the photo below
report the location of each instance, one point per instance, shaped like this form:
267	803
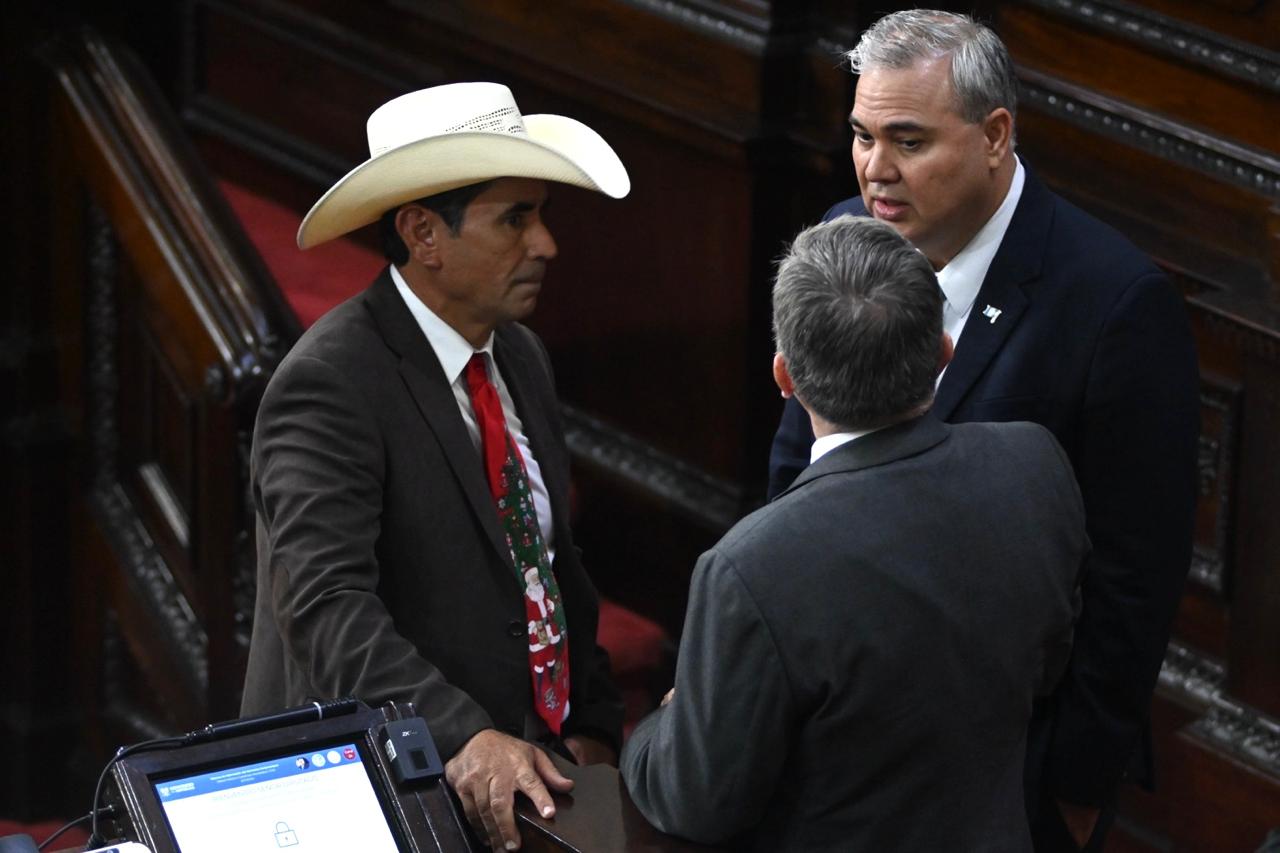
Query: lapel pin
991	313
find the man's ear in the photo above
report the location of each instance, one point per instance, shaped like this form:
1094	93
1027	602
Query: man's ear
782	376
997	129
420	229
946	349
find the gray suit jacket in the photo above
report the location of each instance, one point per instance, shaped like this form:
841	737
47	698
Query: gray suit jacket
383	571
860	656
1093	343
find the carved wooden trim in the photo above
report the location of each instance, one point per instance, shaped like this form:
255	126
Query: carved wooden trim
1225	325
1184	41
140	560
747	31
148	573
222	273
100	314
1193	677
1243	732
157	486
1238	729
120	709
244	580
1149	132
700	496
1215	472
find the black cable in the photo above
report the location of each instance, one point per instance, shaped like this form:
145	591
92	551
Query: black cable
95	838
51	838
316	710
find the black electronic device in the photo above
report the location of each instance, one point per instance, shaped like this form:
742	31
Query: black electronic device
265	786
411	751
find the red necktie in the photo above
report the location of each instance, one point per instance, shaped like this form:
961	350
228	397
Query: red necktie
509	485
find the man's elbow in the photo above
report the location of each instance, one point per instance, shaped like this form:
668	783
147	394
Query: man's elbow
680	805
676	813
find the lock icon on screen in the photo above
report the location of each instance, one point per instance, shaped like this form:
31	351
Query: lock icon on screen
285	837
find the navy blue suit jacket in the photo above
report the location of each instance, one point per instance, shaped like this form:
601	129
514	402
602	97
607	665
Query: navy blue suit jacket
1092	341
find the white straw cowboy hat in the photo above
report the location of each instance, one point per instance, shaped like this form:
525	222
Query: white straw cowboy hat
446	137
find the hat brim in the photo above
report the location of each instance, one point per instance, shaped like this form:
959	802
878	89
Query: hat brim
557	148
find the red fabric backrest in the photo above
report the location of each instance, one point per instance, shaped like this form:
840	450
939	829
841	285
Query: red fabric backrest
312	281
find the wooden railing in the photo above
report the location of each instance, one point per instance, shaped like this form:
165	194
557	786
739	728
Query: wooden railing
169	328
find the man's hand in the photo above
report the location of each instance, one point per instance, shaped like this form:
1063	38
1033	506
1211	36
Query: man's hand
1080	821
487	772
588	750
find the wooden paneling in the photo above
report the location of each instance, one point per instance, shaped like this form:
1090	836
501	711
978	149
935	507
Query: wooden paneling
175	337
1234	36
1111	64
1185	217
1227	804
683	62
1254	673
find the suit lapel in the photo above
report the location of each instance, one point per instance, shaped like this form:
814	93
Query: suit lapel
879	448
1017	262
431	393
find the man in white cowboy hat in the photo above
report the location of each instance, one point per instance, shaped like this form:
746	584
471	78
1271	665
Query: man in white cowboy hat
409	464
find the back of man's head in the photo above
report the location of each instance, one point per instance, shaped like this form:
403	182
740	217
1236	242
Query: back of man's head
857	316
981	71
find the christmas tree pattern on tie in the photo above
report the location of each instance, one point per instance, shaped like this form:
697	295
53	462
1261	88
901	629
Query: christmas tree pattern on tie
548	634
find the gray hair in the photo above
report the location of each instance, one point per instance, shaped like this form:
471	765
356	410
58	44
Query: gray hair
857	315
982	74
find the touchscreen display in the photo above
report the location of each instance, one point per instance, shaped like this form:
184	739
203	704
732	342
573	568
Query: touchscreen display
306	802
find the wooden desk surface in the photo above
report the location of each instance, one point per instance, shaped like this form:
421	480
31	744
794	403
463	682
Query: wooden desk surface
597	816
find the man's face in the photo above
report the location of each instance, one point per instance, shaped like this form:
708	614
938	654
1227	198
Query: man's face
491	271
922	167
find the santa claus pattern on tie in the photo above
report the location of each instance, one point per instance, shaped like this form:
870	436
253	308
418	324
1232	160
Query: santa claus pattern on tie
513	499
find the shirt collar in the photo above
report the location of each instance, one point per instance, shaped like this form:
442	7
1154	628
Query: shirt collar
453	350
962	277
822	446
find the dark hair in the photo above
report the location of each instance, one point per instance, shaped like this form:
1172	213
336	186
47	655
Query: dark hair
857	314
451	205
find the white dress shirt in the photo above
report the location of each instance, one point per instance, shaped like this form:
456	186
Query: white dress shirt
454	351
960	280
962	277
822	446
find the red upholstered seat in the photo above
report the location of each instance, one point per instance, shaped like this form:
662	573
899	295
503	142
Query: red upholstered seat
318	279
312	281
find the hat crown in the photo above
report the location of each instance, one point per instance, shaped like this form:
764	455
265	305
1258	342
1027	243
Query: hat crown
440	110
